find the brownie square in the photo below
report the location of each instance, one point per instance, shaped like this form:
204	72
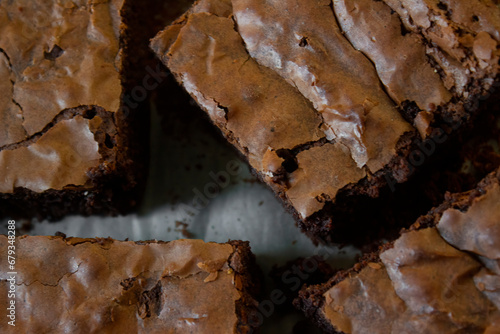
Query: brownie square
74	117
442	275
107	286
332	102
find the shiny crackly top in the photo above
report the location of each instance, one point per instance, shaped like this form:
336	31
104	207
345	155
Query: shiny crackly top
319	79
54	55
444	279
105	286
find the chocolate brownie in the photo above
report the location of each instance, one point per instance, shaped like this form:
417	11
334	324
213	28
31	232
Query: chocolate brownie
74	118
442	275
330	101
106	286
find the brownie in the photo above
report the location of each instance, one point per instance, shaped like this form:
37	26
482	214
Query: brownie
331	102
107	286
74	116
442	275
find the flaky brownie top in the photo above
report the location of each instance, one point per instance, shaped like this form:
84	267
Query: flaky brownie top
106	286
313	89
442	279
54	56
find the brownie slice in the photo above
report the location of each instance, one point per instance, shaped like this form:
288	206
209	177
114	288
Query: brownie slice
441	276
108	286
74	116
330	101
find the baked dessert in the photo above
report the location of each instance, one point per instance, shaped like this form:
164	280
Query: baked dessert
441	276
74	117
331	101
107	286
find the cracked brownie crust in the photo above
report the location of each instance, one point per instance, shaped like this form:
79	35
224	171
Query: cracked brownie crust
328	99
441	276
68	142
183	286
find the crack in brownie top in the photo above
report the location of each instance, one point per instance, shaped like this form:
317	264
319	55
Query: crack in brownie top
307	48
55	57
62	54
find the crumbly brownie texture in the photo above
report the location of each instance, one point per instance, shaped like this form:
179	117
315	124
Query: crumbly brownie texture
107	286
441	276
325	112
67	141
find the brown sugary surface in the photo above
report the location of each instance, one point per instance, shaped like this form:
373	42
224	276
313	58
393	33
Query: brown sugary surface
56	67
257	121
429	288
438	21
307	48
106	286
467	33
315	164
478	229
55	56
363	289
52	162
400	60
